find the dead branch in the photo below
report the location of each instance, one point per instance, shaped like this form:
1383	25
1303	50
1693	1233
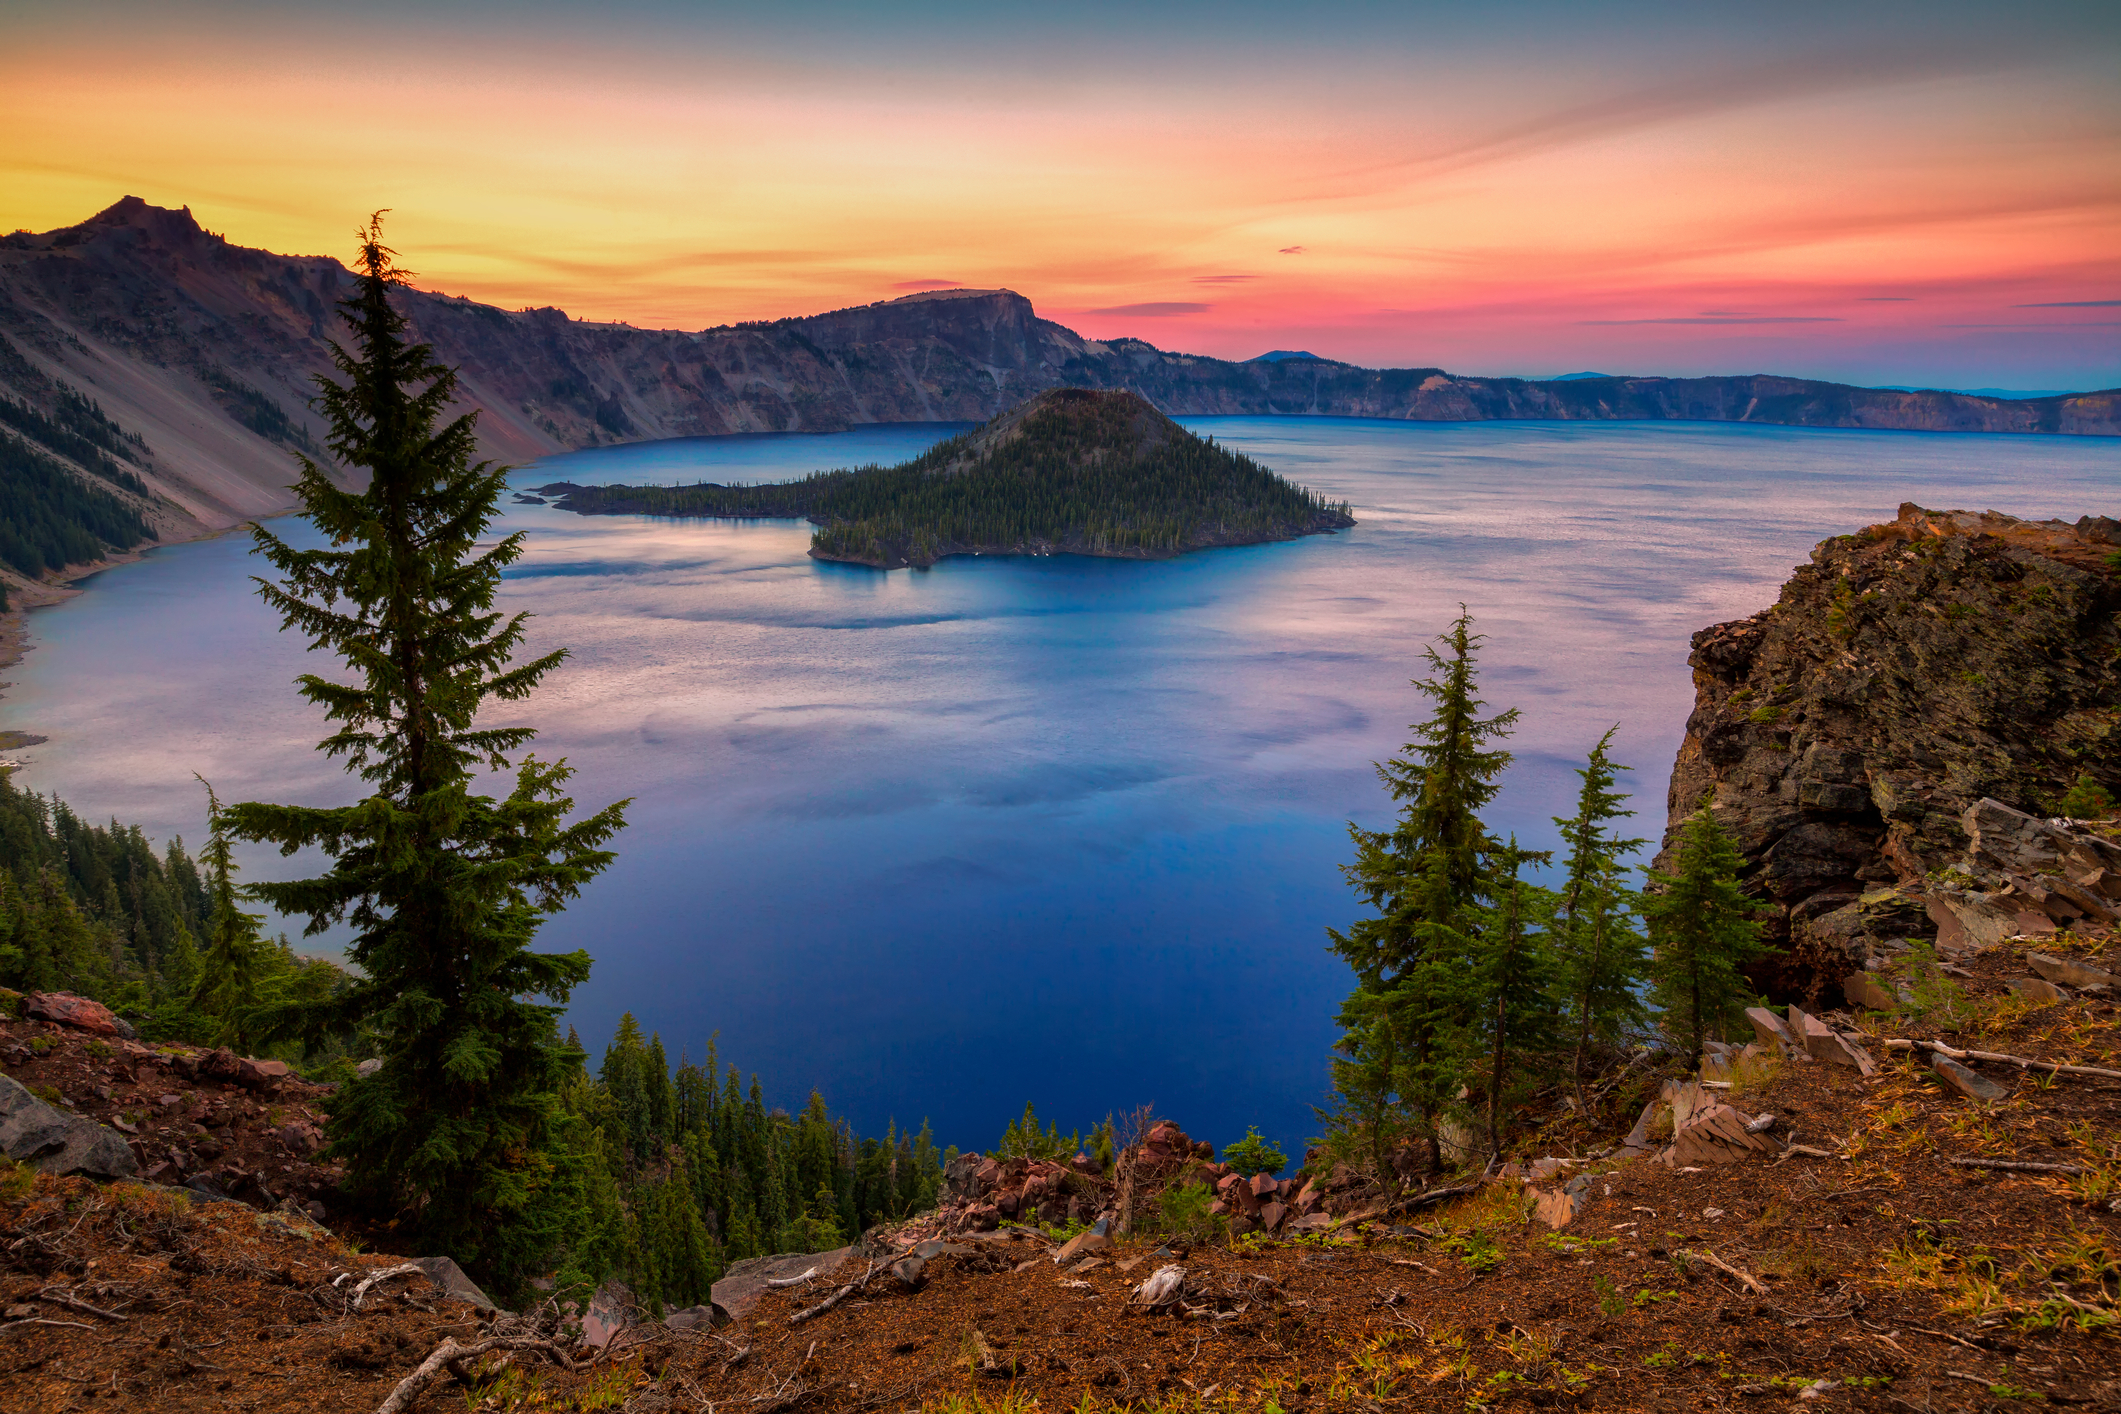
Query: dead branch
403	1269
2022	1062
75	1303
1752	1282
1807	1149
449	1352
2016	1166
44	1321
791	1281
836	1297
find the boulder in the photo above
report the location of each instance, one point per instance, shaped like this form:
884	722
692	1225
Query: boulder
1264	1186
367	1068
1823	1043
53	1141
1967	1082
79	1013
910	1272
1716	1134
1271	1215
1969	922
2069	972
449	1280
610	1311
2035	989
745	1282
1311	1222
696	1318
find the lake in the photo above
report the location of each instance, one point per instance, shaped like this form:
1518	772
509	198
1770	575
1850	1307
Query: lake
1062	830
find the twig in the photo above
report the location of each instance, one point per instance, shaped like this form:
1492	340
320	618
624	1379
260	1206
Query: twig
836	1297
1752	1282
2022	1062
1942	1335
2015	1166
449	1352
1807	1149
404	1269
44	1321
74	1303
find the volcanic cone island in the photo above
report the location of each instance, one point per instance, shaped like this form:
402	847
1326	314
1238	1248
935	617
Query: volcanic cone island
1073	471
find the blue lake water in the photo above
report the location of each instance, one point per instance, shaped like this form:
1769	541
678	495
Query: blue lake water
1059	830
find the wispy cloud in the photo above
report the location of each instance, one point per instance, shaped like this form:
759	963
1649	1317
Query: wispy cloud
1886	299
2072	304
1727	319
1154	309
1290	250
1222	279
929	285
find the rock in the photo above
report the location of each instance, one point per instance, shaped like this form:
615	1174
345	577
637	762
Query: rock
696	1318
1264	1186
1717	1134
1684	1097
981	1217
2069	972
1968	1083
610	1311
1823	1043
1081	1245
1639	1137
1864	990
1271	1215
450	1281
1311	1222
367	1068
910	1272
1769	1028
299	1139
1969	922
52	1141
2035	989
79	1013
745	1282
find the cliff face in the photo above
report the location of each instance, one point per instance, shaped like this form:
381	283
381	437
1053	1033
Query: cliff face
209	349
1848	734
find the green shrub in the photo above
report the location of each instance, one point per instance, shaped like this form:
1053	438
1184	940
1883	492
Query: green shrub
1253	1154
1183	1212
1768	713
2087	800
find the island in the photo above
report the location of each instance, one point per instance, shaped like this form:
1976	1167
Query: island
1074	471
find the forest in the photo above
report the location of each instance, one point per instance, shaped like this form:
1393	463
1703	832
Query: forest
1086	472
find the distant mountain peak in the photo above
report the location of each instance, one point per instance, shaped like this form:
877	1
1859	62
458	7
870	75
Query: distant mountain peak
1573	377
1285	356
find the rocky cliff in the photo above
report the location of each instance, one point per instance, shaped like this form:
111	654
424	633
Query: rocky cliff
208	350
1883	739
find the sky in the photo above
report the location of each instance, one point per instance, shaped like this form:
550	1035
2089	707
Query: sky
1882	193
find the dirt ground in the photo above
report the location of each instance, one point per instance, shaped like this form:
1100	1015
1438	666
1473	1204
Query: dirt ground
1879	1276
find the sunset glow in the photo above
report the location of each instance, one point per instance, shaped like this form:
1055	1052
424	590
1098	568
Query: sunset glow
1859	199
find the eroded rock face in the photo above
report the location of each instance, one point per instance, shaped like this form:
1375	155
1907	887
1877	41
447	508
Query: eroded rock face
47	1138
1904	676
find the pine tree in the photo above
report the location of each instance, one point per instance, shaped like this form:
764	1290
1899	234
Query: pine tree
445	888
227	984
1513	1017
1603	957
1702	923
1428	877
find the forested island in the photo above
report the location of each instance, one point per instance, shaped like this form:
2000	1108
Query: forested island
1073	471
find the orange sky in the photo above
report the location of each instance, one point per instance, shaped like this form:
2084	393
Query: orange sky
1524	191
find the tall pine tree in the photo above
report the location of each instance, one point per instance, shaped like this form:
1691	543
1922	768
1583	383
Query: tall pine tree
445	888
227	980
1603	957
1511	1016
1428	878
1702	923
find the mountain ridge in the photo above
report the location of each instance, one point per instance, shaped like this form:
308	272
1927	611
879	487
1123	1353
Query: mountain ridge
208	350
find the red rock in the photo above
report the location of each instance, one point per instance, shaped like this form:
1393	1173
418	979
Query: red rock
1227	1182
1271	1215
261	1075
1218	1207
1264	1186
66	1009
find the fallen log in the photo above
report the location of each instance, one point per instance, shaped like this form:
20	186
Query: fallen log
2016	1166
406	1269
791	1281
2022	1062
449	1352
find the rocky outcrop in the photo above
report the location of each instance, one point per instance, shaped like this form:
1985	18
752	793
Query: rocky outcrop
1882	740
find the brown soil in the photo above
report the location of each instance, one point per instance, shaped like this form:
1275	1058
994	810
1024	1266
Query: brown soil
1903	1281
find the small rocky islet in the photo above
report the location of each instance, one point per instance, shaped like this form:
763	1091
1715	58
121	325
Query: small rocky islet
1074	471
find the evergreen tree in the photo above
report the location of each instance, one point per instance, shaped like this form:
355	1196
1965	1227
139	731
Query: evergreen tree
1428	878
227	986
1603	955
445	888
1513	1017
1702	923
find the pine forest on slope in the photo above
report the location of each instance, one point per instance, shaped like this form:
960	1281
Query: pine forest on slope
1074	470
